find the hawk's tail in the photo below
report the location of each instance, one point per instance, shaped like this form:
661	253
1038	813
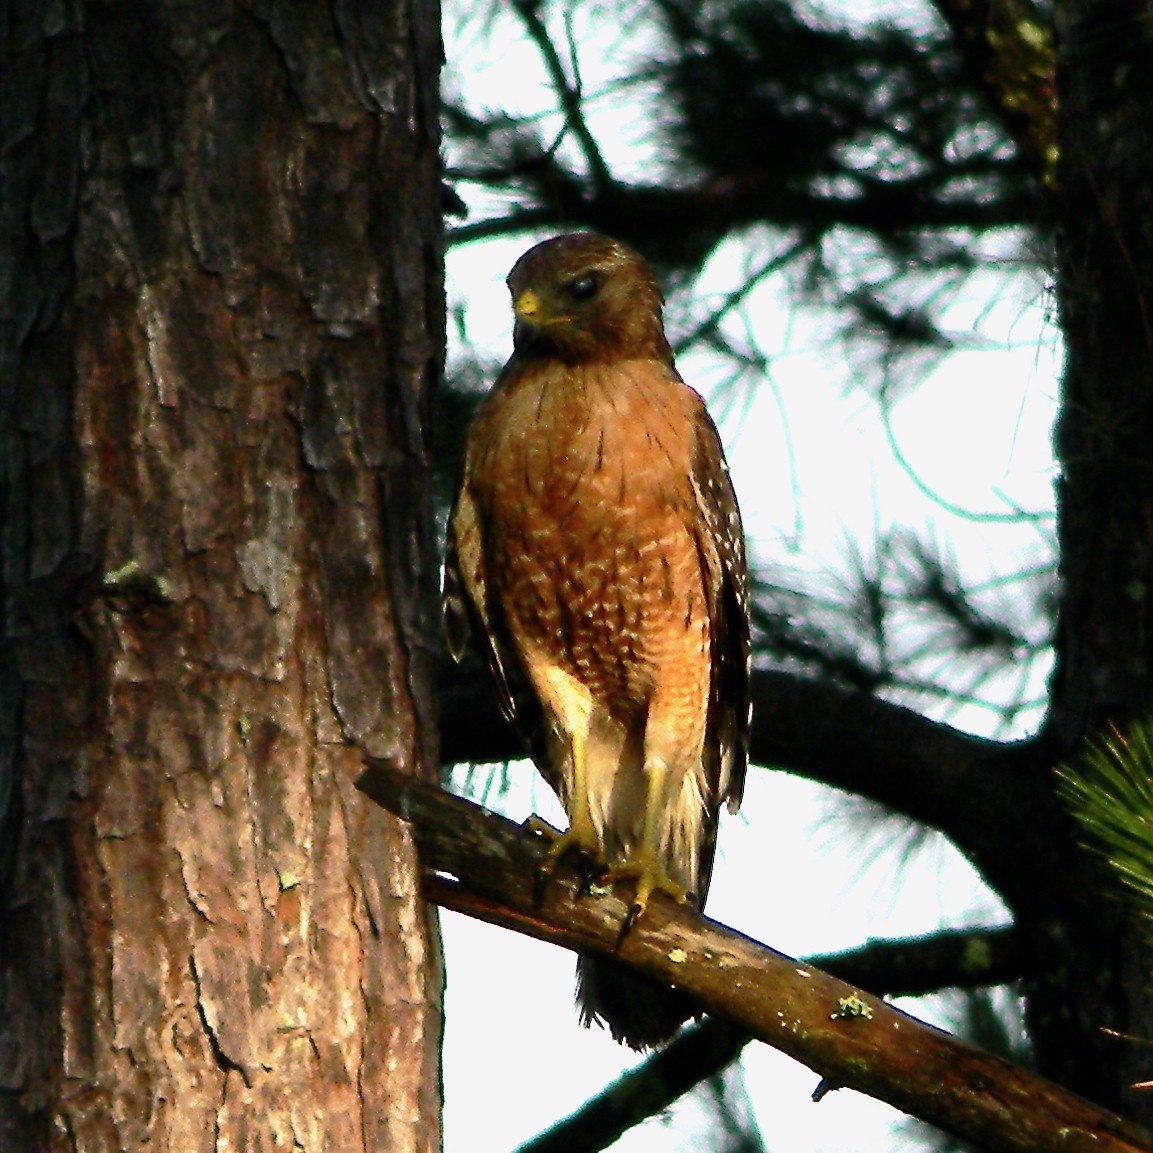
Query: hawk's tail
637	1012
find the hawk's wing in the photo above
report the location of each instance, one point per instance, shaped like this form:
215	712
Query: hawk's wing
720	543
470	609
465	595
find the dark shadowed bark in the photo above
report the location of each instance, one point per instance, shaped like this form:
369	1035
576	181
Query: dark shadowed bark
1094	971
222	323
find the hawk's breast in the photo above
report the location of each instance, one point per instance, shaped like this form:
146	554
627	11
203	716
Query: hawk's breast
591	549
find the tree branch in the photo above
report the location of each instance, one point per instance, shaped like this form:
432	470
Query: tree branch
962	959
569	95
694	1055
487	866
977	792
646	215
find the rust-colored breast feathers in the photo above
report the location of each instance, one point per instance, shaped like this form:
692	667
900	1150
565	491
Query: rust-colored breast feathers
585	483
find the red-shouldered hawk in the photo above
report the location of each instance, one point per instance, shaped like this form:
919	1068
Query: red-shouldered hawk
596	548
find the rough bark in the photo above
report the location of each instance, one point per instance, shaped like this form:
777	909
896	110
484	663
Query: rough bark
222	322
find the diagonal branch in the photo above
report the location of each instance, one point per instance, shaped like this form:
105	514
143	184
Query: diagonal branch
693	1056
569	95
961	959
486	866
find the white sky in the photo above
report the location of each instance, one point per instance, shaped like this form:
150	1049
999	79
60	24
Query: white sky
977	433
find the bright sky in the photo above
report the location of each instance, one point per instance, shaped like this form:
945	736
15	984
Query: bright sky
814	469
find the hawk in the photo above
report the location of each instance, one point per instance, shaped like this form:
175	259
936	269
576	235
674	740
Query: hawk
595	549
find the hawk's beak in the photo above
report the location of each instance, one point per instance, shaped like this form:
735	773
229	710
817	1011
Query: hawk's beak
527	306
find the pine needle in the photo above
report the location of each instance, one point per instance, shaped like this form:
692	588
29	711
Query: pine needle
1109	791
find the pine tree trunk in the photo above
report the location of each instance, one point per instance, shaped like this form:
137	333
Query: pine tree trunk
1095	972
220	289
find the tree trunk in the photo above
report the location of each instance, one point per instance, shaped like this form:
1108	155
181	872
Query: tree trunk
222	323
1095	971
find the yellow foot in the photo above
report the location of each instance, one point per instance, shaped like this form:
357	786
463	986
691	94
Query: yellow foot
650	877
579	839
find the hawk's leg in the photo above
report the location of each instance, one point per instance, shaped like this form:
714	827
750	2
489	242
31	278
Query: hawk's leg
581	836
644	865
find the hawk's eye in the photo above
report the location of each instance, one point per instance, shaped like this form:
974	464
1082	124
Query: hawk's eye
584	287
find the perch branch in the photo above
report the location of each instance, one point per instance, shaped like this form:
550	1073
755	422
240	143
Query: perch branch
484	865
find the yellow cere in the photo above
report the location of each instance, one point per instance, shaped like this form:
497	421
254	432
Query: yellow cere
527	305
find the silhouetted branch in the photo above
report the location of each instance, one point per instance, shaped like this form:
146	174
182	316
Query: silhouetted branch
641	214
486	866
692	1057
569	94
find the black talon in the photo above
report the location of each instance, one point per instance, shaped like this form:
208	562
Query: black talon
590	872
538	884
627	924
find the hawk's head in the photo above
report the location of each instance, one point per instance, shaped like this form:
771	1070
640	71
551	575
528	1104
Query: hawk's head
583	298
